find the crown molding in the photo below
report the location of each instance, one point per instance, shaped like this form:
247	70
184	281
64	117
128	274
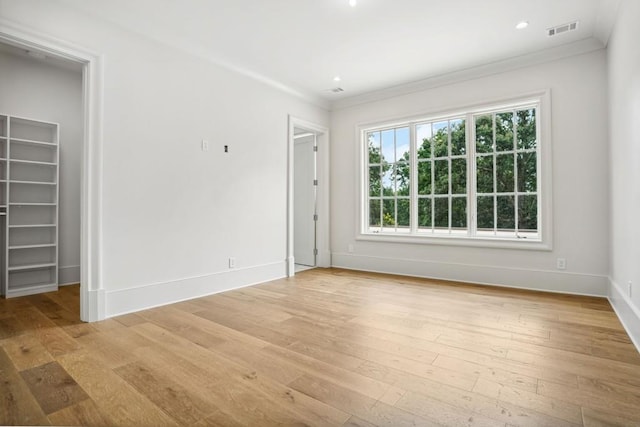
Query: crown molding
548	55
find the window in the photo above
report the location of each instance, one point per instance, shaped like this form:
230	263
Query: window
474	175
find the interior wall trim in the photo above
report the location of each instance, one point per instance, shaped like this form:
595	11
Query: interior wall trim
557	53
511	277
626	311
123	301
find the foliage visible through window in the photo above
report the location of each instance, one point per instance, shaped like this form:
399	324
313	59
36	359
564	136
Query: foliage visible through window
389	180
473	174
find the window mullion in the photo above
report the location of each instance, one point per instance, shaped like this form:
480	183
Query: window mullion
449	164
433	182
413	178
470	135
495	176
515	171
395	180
539	167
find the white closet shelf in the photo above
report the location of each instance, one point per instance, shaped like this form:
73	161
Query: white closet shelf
32	162
31	288
32	204
43	245
32	226
29	185
39	266
13	181
33	142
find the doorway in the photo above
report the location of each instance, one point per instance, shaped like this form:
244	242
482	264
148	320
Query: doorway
307	196
92	298
304	199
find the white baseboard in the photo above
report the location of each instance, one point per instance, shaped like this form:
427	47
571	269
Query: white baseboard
92	308
627	312
539	280
324	259
129	300
68	275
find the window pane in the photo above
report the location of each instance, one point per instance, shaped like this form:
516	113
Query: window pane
441	217
441	139
388	146
388	187
374	213
403	178
504	173
484	167
527	172
528	212
374	147
459	212
506	213
458	137
423	136
424	177
526	120
485	213
402	144
484	134
424	213
404	213
388	213
374	181
504	131
441	176
458	176
505	165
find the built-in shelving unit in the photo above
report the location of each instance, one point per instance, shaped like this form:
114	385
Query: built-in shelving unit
29	159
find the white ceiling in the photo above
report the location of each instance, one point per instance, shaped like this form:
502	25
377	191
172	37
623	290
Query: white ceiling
300	45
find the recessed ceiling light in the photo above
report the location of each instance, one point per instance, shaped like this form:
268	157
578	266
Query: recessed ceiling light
353	3
522	25
337	79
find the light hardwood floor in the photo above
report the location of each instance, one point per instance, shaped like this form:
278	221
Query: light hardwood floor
326	348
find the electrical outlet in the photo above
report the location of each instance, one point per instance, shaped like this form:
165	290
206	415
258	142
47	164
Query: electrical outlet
561	263
205	145
350	248
629	288
232	262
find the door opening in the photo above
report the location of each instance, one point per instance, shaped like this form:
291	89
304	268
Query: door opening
307	196
304	199
92	296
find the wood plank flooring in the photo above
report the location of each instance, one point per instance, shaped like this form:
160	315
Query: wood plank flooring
326	348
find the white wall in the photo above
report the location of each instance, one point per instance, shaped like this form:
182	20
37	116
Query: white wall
173	214
580	174
624	137
37	89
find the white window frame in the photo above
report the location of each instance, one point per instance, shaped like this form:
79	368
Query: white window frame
542	101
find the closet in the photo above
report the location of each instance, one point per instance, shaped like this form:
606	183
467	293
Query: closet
29	159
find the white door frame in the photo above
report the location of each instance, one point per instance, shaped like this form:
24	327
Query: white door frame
92	301
322	197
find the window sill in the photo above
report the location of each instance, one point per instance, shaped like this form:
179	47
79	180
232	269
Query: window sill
453	240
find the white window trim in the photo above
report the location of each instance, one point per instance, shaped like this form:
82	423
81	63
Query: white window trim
544	243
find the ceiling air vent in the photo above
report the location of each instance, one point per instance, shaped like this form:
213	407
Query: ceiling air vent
564	28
